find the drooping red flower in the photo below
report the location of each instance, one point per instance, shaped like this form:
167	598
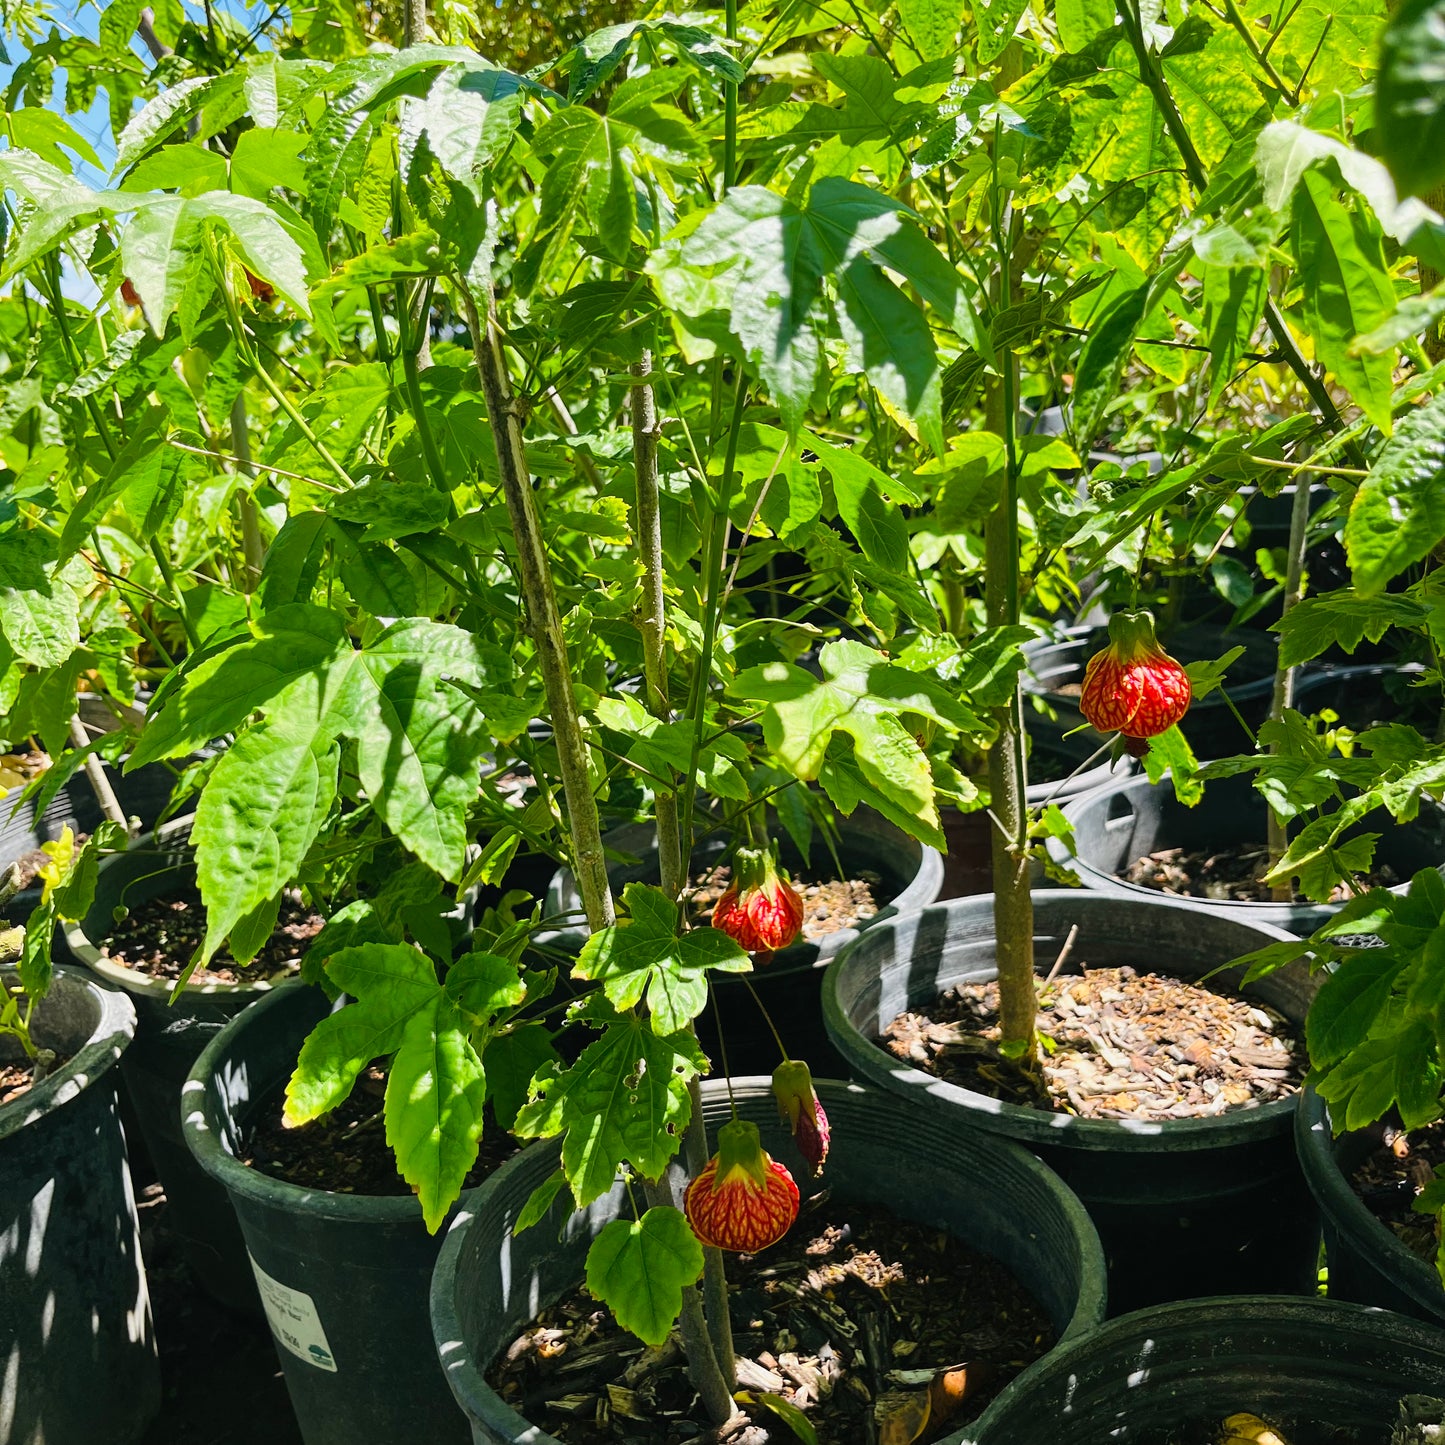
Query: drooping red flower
799	1104
762	911
743	1200
1133	686
263	291
128	293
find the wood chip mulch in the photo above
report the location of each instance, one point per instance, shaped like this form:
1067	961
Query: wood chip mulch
15	1080
160	936
1118	1044
1235	875
855	1318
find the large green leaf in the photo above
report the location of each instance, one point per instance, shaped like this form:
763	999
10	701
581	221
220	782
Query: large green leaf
39	611
260	812
864	697
1234	300
392	983
1342	619
434	1097
1410	96
932	25
1347	290
56	204
639	1269
1398	515
624	1101
779	257
645	955
467	117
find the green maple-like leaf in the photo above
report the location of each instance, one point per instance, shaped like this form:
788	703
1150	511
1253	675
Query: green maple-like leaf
865	697
624	1101
639	1268
645	954
779	259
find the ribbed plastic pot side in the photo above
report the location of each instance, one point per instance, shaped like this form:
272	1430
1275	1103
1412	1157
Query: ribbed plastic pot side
343	1277
1184	1206
75	1319
490	1283
1367	1263
1318	1368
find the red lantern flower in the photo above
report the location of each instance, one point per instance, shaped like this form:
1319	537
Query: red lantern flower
1133	686
128	293
761	911
263	291
743	1200
798	1103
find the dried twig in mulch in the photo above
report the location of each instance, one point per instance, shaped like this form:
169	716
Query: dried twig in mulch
855	1318
1118	1045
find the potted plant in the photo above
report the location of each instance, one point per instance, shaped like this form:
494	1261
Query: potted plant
503	1260
72	1284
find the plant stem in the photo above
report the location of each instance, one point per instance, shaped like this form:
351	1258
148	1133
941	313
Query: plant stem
730	108
95	775
163	563
252	547
1152	74
589	862
652	622
714	1269
1013	906
1284	677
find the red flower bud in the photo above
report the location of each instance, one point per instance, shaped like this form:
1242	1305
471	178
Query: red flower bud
798	1103
263	291
743	1200
761	911
1133	686
128	293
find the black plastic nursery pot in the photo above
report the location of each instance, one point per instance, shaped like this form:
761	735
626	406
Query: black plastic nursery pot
1185	1207
1319	1371
169	1039
75	1319
788	983
1367	1263
490	1283
1212	730
1134	817
343	1278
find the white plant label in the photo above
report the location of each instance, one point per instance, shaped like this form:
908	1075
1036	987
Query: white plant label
294	1321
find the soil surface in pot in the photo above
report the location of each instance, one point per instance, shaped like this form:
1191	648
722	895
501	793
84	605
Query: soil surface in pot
347	1152
17	1079
1233	874
850	1318
1392	1178
160	936
1119	1045
828	906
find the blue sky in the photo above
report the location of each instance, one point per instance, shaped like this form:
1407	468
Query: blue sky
73	18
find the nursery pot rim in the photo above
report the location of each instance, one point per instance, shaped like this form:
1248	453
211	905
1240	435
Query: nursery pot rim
175	833
1111	882
113	1031
204	1140
1342	1207
480	1402
1038	1126
1310	1311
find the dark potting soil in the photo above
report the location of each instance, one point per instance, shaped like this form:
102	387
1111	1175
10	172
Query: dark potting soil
1119	1044
160	936
1391	1179
1234	874
347	1152
828	906
855	1317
